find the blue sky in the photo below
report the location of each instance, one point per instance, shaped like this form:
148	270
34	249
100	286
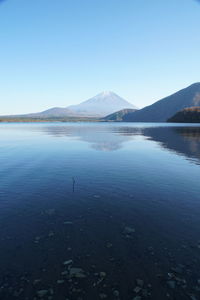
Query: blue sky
62	52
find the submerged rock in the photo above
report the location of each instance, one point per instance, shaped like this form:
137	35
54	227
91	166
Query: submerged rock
60	281
50	211
51	292
171	284
177	270
64	273
145	292
42	293
109	245
193	297
140	282
51	233
129	230
102	296
137	289
102	274
37	239
36	281
116	293
137	298
77	273
68	262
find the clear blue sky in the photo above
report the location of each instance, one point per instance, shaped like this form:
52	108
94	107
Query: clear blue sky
57	53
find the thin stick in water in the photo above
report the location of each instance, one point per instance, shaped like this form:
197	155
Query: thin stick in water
73	184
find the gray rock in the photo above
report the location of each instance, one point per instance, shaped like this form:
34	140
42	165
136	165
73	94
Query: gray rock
77	273
177	270
193	297
129	230
50	211
137	289
145	292
42	293
36	281
116	293
102	296
102	274
51	292
137	298
68	262
140	282
109	245
65	273
60	281
171	284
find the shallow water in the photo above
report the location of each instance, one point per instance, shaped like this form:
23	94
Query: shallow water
119	201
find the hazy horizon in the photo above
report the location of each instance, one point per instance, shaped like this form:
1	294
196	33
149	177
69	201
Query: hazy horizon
63	53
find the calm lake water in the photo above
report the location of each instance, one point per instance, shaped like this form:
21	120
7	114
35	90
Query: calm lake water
94	211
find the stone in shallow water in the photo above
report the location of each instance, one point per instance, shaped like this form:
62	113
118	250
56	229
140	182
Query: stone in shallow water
50	211
116	293
140	282
137	289
102	296
37	239
129	230
193	297
60	281
68	262
102	274
77	273
67	223
36	281
145	293
177	270
171	284
51	233
65	273
137	298
109	245
42	293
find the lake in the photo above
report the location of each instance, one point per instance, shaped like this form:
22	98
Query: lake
99	211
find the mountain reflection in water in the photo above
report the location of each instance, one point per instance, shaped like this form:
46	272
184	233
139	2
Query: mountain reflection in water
184	140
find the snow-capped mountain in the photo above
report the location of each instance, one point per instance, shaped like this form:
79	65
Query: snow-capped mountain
101	105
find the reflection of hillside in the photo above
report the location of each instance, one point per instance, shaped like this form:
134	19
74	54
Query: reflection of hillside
183	140
189	133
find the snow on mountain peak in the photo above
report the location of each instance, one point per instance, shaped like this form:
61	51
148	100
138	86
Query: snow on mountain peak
102	104
106	93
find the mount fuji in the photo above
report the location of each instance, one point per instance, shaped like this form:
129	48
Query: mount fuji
101	105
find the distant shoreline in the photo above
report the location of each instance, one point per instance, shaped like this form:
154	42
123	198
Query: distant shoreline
23	120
